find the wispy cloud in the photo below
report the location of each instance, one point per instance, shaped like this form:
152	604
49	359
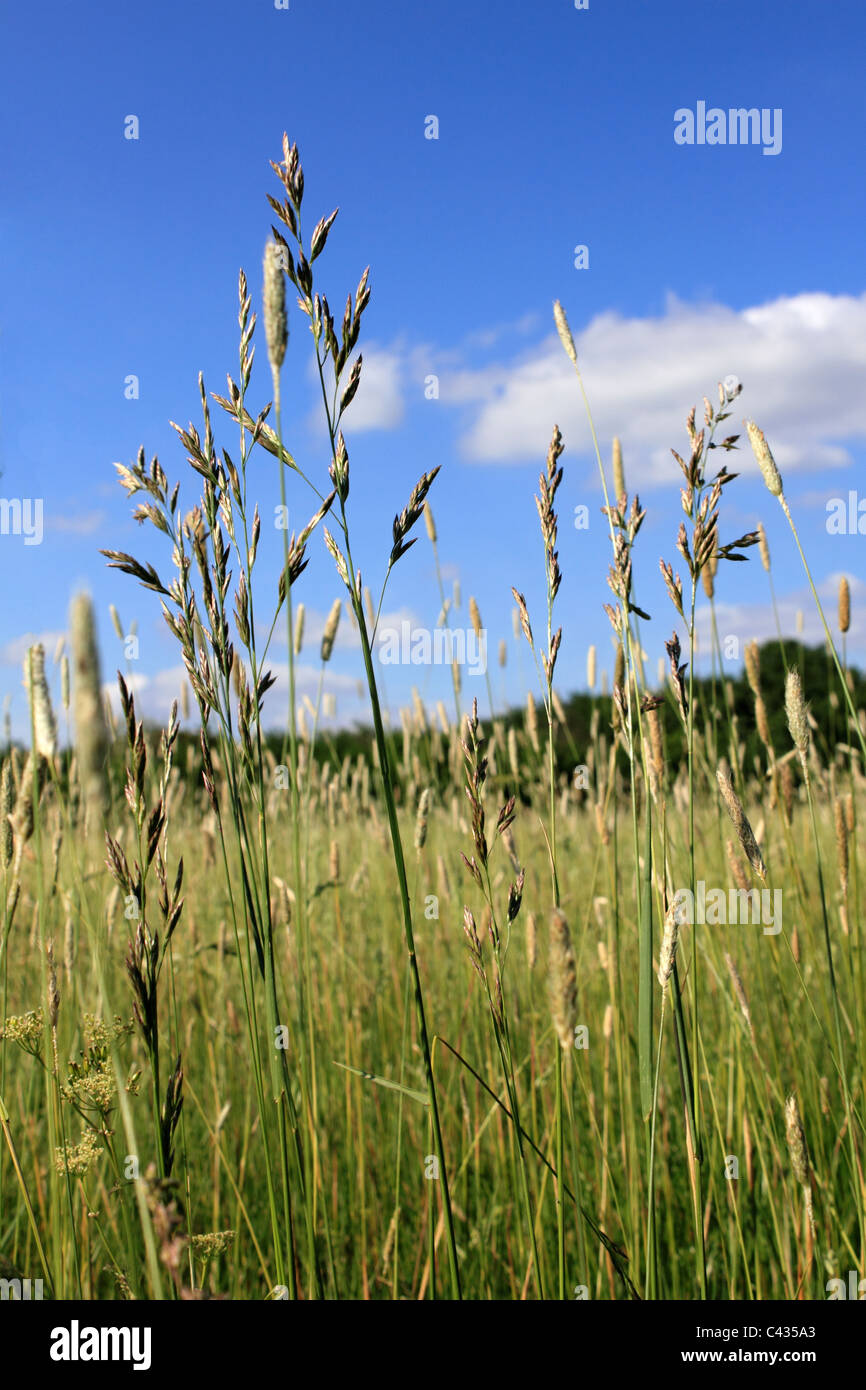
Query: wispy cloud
757	621
13	652
74	524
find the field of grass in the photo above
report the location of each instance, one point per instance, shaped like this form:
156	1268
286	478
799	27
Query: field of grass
428	1013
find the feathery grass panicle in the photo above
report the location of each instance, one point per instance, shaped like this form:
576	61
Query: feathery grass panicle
563	980
795	709
23	817
564	331
274	304
656	761
763	547
421	819
330	632
762	722
300	615
745	834
670	938
591	658
766	462
44	725
796	1140
752	658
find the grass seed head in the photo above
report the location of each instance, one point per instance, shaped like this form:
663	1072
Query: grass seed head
7	805
421	819
745	834
763	547
564	331
844	605
330	632
670	938
274	303
44	725
796	1141
795	708
91	732
563	980
591	659
766	462
618	471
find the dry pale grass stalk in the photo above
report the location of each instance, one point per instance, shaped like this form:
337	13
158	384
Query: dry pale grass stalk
91	733
739	989
842	844
618	471
531	940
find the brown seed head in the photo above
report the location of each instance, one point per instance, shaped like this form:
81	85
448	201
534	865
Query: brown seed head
844	605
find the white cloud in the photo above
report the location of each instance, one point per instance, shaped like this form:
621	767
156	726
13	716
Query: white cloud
12	653
756	621
80	524
155	693
800	359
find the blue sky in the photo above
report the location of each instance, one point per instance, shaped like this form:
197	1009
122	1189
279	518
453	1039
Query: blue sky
556	129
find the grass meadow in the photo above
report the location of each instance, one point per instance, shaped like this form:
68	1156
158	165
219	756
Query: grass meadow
551	1003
